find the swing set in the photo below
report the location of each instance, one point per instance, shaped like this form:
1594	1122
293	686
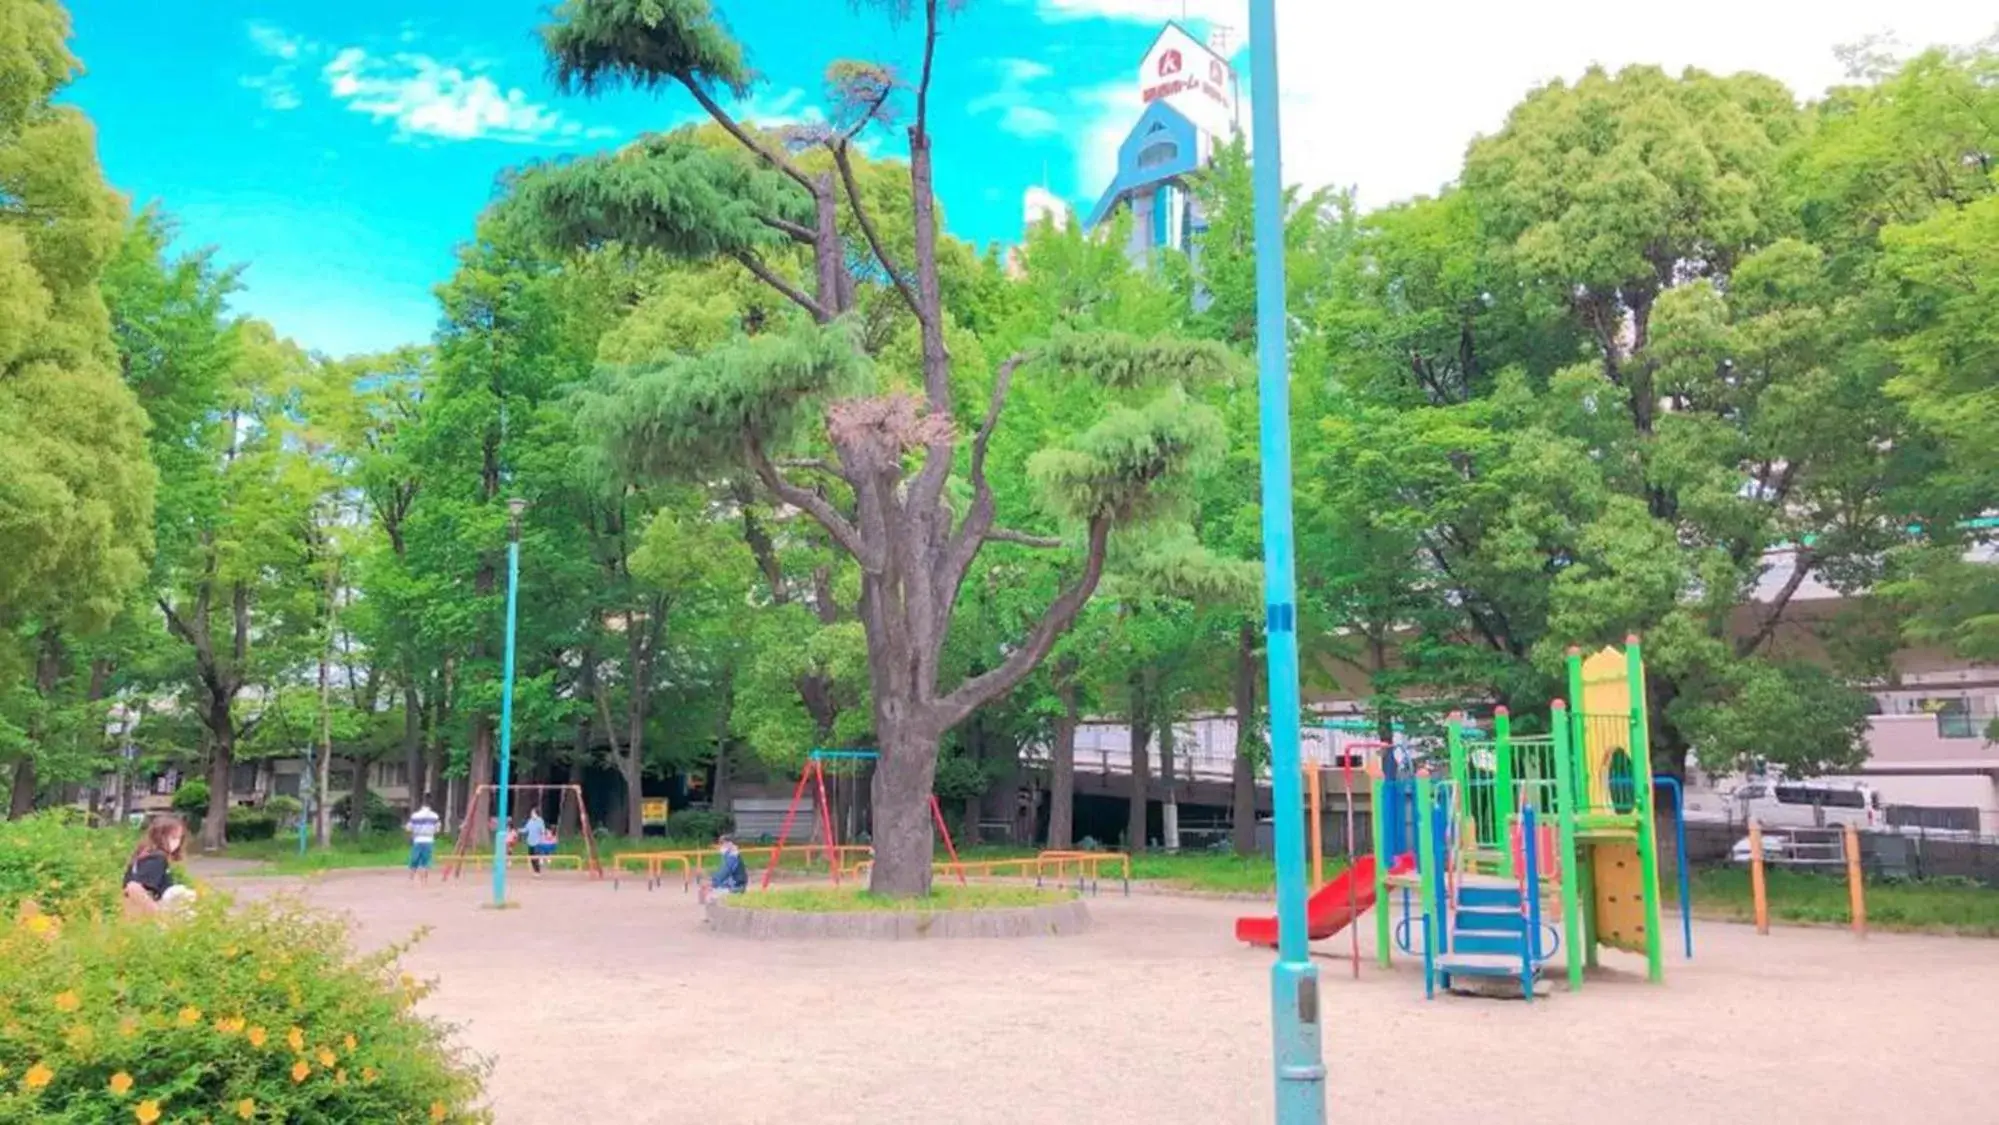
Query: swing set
466	851
848	766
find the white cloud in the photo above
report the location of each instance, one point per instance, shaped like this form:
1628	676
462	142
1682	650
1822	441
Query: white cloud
1387	96
423	97
1025	107
1111	110
275	41
276	86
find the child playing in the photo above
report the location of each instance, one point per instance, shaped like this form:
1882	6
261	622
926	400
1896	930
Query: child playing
422	828
540	841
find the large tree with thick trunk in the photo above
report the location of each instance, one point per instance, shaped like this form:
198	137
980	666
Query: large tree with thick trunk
879	448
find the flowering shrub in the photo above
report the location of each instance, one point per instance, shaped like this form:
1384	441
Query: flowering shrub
227	1013
63	867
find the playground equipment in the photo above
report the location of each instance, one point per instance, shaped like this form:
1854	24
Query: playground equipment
469	832
827	835
1520	849
1333	908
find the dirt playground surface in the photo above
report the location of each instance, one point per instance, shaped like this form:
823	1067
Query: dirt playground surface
608	1007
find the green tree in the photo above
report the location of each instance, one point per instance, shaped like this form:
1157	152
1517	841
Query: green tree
885	500
76	488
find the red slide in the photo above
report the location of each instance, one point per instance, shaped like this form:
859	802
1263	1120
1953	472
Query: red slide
1327	912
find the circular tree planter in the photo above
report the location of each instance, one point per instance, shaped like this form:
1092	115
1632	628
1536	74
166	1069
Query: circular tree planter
1052	919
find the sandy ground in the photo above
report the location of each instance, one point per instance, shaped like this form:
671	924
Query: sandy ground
603	1006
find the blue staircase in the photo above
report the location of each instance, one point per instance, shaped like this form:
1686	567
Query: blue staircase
1490	934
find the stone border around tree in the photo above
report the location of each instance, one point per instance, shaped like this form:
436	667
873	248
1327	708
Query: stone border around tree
1058	919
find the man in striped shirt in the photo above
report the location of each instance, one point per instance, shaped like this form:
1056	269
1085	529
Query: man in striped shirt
423	840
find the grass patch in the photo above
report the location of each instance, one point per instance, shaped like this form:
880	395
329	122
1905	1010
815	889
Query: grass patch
814	900
1936	906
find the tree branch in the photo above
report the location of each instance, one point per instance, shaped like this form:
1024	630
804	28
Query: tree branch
1802	562
798	232
929	57
810	502
868	231
791	292
746	138
964	543
954	708
1009	535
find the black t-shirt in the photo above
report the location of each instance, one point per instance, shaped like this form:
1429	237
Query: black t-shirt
151	872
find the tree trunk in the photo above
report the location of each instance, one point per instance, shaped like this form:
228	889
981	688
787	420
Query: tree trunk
718	794
480	770
1169	808
1062	764
905	777
632	770
221	761
22	800
357	796
1242	799
1141	762
416	784
48	672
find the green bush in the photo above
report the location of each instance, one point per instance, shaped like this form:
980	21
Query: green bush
252	824
377	815
191	799
286	810
699	825
261	1012
63	867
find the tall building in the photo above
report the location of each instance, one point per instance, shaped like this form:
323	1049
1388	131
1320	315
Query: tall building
1190	95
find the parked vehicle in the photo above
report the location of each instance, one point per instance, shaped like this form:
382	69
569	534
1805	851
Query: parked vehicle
1808	804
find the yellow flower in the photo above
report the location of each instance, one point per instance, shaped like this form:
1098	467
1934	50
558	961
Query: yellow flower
301	1070
340	1078
367	1074
256	1035
147	1112
189	1016
38	1076
79	1037
128	1027
296	1037
326	1057
266	975
229	951
350	1043
121	1084
68	1001
246	1109
229	1025
40	924
437	1111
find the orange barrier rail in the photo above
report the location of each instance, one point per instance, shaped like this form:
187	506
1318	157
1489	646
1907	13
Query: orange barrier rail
1087	863
1088	866
693	861
655	865
518	857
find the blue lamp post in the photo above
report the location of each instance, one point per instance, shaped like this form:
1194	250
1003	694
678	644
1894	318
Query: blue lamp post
1294	980
505	775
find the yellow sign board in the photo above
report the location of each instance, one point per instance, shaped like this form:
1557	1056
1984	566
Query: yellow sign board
652	810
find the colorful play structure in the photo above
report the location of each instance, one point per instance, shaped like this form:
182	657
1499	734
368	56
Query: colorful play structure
1522	851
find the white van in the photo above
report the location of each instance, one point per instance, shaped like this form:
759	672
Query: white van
1809	804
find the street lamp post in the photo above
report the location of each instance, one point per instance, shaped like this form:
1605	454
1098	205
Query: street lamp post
1294	980
505	774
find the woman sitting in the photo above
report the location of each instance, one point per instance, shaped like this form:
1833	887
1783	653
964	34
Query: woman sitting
149	877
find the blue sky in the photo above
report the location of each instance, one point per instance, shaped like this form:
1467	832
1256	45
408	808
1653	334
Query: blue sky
340	151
